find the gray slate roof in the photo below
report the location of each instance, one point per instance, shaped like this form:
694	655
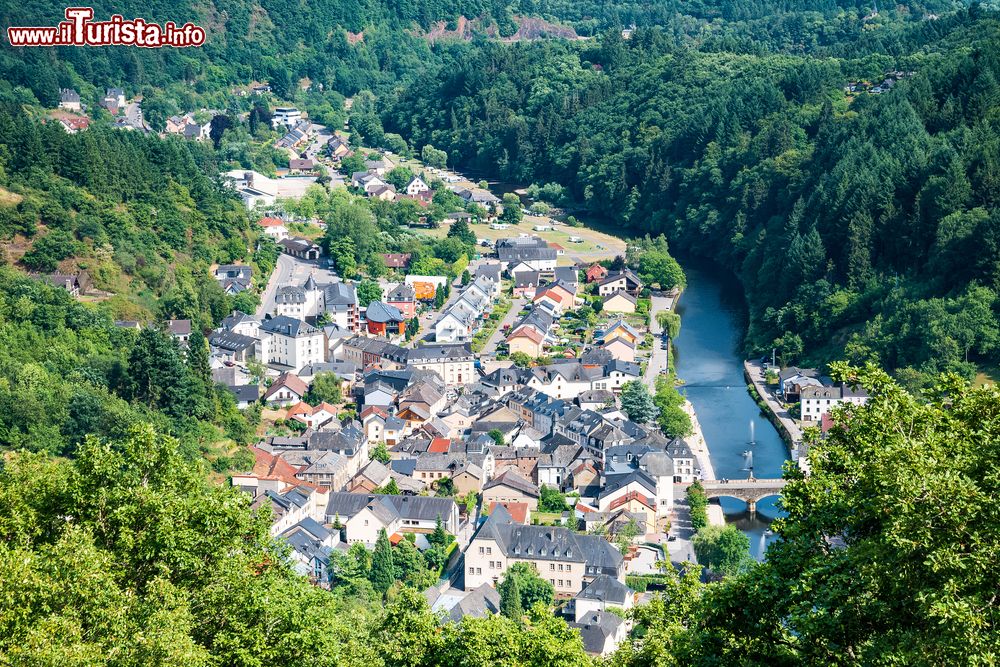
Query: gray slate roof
421	508
551	543
287	326
605	589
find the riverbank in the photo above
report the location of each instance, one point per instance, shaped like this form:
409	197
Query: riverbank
788	429
716	517
699	447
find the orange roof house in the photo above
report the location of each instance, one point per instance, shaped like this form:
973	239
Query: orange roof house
439	445
423	291
596	272
520	512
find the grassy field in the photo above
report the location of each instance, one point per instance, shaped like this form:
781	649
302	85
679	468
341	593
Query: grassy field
595	245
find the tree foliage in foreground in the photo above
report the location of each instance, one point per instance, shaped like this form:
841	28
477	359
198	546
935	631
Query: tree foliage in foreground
126	555
890	552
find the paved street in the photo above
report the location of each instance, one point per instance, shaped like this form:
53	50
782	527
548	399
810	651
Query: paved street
756	373
680	549
658	358
428	319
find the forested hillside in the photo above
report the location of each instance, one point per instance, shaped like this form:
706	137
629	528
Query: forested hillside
142	217
859	223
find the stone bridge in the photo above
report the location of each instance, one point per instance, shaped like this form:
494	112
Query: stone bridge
748	490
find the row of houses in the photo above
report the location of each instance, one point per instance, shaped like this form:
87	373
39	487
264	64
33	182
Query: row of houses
462	317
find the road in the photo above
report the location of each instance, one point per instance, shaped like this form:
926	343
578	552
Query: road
291	271
657	363
428	319
516	304
681	549
658	357
756	373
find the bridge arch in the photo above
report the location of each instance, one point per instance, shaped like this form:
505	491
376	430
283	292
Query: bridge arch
750	491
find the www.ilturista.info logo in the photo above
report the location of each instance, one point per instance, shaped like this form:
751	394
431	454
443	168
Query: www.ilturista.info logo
79	30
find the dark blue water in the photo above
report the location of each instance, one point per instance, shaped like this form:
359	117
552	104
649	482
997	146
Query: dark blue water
709	360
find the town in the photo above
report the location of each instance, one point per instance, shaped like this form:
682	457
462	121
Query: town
489	419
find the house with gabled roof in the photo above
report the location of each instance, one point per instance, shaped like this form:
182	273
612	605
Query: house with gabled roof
559	297
416	186
618	329
511	486
596	272
69	99
311	545
635	492
526	339
601	632
288	389
621	281
364	515
619	302
404	298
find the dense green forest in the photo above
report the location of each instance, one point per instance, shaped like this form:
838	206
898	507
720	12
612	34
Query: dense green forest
860	224
144	219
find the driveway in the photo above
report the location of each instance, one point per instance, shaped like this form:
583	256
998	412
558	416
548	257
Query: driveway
428	319
516	304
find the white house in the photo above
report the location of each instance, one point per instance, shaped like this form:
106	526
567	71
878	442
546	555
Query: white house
817	401
416	186
288	116
291	343
364	515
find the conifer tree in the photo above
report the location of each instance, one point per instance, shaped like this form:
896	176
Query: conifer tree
383	572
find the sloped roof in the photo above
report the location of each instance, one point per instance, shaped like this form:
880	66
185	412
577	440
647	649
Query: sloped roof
422	508
605	589
515	480
382	312
517	511
287	326
289	380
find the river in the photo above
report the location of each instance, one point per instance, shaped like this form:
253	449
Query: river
708	359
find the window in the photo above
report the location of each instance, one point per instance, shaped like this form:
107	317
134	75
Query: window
479	570
560	567
472	570
552	566
482	550
560	582
489	550
569	568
